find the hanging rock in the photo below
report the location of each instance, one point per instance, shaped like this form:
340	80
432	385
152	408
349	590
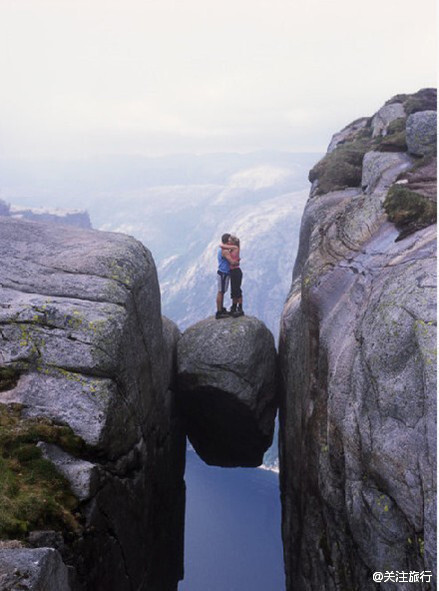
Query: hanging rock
226	384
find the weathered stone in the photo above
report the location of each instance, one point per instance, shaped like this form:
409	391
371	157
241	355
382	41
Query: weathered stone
421	132
80	323
46	539
384	117
357	409
227	389
40	569
381	169
348	134
423	100
423	179
82	475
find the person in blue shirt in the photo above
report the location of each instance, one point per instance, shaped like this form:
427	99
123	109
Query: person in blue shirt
223	278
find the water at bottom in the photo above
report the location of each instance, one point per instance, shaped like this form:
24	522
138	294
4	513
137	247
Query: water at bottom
233	530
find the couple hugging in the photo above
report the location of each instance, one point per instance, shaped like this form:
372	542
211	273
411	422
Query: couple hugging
229	272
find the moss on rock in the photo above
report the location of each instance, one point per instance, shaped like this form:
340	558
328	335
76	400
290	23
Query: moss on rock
408	210
8	378
423	100
33	494
395	138
341	168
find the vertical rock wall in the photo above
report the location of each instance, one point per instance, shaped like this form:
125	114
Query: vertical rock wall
357	357
80	328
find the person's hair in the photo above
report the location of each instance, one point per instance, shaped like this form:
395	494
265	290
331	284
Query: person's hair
234	240
225	238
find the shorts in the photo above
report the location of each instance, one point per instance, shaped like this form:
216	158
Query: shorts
236	280
223	281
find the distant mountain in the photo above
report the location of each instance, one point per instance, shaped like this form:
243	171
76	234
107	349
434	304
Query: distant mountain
269	233
69	217
179	206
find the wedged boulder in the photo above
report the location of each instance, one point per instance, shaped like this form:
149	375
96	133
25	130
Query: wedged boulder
227	389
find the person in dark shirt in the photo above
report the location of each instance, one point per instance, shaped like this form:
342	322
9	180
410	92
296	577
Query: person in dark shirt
233	248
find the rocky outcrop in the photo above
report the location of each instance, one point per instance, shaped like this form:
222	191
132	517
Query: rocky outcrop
84	373
422	132
357	346
227	389
382	119
26	569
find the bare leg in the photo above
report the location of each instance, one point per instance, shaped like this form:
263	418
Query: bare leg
219	301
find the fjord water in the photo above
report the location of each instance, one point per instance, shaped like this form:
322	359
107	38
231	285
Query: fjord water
233	529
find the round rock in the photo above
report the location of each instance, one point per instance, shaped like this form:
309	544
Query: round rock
227	389
421	132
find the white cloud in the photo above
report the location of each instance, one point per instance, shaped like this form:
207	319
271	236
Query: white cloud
94	77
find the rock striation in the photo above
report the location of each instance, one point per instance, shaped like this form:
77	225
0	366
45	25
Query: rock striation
357	360
83	351
227	389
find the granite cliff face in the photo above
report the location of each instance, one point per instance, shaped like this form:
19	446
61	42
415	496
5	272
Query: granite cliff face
85	371
357	358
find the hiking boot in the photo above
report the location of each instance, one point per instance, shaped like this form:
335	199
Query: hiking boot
222	314
238	312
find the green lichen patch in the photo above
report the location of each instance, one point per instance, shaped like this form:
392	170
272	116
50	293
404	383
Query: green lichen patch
395	138
33	494
420	102
341	168
408	210
8	378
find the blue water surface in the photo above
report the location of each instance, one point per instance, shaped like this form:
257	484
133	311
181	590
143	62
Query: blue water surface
233	529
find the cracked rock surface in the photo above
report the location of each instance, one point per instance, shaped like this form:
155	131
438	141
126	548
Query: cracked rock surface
227	389
28	569
80	323
357	410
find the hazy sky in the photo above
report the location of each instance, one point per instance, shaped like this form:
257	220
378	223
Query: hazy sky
90	77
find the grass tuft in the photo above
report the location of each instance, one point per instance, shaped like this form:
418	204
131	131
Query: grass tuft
8	378
408	210
33	494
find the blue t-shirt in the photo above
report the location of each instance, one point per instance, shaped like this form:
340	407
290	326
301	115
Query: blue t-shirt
223	264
